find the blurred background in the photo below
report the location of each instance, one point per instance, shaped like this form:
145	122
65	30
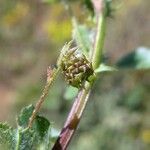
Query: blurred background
32	34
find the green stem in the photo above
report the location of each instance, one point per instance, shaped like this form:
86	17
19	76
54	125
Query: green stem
99	41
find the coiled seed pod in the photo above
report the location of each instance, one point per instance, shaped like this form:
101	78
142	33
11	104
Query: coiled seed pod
76	67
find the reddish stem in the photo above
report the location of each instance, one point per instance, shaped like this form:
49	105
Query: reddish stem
72	120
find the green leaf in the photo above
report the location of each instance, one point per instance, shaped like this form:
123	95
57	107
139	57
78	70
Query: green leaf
105	68
4	127
108	8
42	129
41	125
24	138
16	139
82	37
89	6
6	136
25	114
138	59
70	93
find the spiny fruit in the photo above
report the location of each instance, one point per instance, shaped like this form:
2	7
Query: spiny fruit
76	67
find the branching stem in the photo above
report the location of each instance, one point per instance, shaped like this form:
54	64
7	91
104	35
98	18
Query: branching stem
81	100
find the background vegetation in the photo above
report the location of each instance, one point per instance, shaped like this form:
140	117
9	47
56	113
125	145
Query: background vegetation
117	116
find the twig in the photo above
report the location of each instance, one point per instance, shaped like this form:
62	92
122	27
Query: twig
51	76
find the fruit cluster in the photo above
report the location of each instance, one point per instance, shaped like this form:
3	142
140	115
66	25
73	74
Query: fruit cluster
76	67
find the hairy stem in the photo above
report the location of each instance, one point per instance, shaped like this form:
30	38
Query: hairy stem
51	76
81	100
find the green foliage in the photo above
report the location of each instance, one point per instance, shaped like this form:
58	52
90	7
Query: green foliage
6	136
24	116
89	6
81	35
42	129
114	121
138	59
105	68
22	138
108	8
